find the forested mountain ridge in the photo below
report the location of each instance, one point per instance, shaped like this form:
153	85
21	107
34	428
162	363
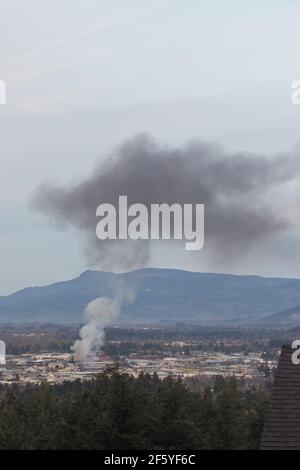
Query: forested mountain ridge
162	296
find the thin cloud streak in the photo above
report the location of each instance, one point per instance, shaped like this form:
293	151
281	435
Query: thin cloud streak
85	32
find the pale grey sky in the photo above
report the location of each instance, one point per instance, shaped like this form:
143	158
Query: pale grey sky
83	75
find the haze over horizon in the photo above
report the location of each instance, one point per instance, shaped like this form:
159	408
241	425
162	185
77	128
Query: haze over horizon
82	78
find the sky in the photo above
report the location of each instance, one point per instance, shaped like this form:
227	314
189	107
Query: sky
83	76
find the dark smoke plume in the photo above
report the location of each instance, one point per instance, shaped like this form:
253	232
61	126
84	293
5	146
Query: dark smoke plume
242	193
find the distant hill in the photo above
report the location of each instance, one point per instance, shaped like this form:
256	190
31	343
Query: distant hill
162	296
288	317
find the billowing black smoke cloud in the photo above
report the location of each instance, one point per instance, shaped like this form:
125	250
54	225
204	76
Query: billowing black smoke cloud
242	192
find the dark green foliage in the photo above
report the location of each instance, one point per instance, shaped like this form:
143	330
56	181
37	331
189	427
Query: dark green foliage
118	412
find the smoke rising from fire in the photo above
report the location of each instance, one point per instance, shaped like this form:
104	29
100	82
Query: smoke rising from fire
250	202
249	199
100	313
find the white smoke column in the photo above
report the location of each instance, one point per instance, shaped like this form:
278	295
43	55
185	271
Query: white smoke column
99	313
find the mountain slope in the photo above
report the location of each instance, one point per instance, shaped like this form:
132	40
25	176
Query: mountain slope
288	317
162	295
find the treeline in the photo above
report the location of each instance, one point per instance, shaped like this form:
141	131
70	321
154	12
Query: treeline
34	339
37	346
21	339
118	412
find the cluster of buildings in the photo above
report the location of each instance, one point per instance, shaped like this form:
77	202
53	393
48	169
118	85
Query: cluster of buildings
56	368
53	368
209	364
